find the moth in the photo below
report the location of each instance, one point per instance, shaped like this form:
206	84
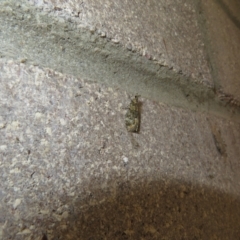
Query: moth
132	117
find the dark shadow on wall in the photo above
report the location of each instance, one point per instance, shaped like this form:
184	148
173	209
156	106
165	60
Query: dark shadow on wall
226	9
149	210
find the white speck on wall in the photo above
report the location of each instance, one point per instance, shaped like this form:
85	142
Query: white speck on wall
17	203
14	161
38	115
16	189
32	227
25	231
70	94
44	212
125	159
63	121
3	147
28	131
15	170
49	131
44	142
115	167
15	124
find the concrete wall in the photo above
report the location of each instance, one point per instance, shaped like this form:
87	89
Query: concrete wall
69	168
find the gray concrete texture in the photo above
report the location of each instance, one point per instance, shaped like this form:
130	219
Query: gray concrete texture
69	168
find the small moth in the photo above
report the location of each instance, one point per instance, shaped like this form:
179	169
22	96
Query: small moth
132	117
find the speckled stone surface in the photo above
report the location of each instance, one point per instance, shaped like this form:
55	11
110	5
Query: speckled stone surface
167	31
51	37
70	170
48	36
68	167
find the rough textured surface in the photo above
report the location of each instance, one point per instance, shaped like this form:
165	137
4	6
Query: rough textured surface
155	28
70	170
58	41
